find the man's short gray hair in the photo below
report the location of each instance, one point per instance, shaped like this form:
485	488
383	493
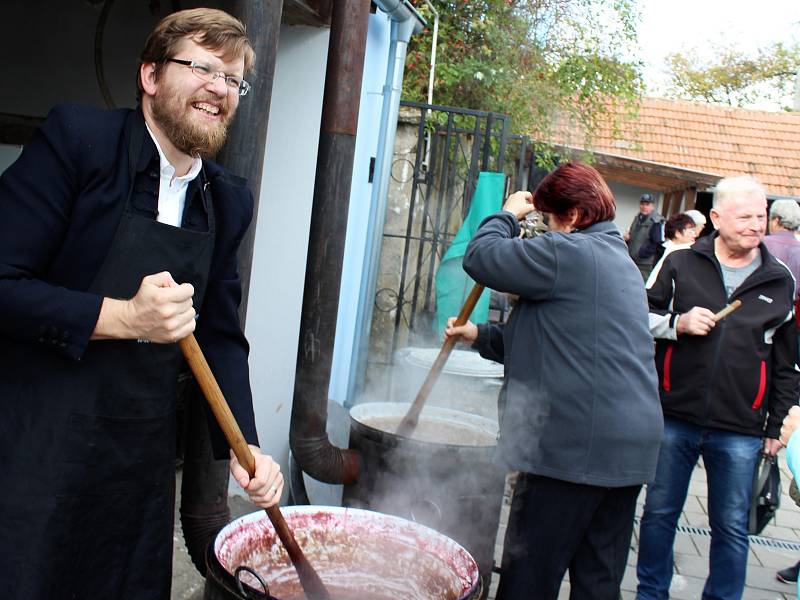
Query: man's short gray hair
787	212
743	185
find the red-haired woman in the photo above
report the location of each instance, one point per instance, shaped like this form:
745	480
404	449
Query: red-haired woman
581	418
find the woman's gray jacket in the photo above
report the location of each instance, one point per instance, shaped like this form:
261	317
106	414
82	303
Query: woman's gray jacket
581	390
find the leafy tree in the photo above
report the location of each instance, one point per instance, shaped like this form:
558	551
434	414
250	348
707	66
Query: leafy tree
550	64
734	77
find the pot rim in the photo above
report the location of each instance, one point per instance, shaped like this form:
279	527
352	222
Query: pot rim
360	414
461	562
461	363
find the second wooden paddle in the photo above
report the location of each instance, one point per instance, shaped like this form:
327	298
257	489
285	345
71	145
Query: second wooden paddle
309	579
727	310
410	421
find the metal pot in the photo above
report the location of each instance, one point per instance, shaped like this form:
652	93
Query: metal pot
359	555
468	383
446	480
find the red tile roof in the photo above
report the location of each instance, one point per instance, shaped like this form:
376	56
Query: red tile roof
712	139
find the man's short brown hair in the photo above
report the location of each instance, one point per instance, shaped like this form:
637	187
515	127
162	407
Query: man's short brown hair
211	28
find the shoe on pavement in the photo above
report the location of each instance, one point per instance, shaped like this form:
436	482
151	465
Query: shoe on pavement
789	574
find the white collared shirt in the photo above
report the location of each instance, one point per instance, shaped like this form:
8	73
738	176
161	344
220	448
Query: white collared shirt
171	189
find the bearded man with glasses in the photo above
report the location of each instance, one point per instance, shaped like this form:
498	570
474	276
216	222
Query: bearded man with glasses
118	237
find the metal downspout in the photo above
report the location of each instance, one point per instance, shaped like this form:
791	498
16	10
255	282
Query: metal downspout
308	438
431	75
405	22
426	162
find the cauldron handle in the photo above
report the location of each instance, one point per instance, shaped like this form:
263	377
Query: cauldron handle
409	422
240	585
309	579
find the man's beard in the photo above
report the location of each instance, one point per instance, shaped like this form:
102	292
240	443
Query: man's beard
171	112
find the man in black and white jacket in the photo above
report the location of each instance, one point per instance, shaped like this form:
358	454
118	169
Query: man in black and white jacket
725	385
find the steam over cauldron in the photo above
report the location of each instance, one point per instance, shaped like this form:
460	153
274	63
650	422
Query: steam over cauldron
444	477
359	554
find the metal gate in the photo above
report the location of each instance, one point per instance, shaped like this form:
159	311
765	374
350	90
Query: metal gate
434	184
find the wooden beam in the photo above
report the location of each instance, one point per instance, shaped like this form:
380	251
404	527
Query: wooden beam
315	13
651	175
665	204
665	171
677	198
324	8
690	198
672	203
650	182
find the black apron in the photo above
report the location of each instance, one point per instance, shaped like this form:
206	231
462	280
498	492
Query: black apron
101	527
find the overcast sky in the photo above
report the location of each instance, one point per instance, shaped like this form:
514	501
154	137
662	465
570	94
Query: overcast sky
673	25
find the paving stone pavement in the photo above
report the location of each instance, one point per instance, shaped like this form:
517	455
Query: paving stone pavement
691	551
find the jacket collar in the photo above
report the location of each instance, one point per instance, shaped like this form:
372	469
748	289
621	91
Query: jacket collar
602	227
705	246
216	173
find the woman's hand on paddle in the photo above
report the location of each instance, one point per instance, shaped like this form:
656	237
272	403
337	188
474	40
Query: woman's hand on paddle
266	487
468	332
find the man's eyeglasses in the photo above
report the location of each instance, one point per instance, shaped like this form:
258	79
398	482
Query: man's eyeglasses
204	72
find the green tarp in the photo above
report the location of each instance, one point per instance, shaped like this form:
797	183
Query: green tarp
452	283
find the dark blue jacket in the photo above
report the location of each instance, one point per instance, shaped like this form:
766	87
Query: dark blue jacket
60	204
581	392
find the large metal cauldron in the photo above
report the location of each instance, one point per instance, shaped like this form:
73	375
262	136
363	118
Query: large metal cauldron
444	477
359	554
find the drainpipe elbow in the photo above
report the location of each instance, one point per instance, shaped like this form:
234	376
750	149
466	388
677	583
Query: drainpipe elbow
323	461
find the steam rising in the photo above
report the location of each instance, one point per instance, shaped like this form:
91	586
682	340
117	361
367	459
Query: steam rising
449	482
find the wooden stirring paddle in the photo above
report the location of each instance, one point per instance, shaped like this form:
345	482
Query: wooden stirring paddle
309	579
410	421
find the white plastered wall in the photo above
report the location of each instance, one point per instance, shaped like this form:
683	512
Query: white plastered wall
627	197
281	241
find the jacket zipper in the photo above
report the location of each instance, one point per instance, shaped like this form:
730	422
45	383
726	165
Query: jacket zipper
718	346
748	284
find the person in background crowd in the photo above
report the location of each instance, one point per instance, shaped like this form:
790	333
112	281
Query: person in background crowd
699	220
681	232
581	420
645	235
117	239
725	386
784	220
